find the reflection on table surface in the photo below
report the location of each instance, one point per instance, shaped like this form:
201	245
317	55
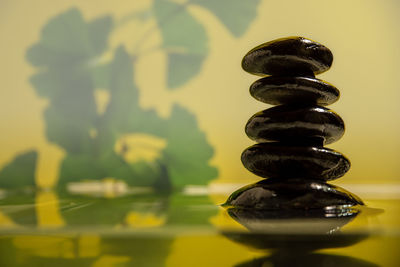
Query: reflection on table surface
47	228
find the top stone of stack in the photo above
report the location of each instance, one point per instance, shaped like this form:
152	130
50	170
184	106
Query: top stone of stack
291	56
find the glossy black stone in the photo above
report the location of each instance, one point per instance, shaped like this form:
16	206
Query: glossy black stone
294	215
295	124
277	90
292	56
285	161
338	216
291	137
292	195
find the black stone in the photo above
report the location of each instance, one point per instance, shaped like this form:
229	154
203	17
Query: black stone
296	124
295	215
292	195
338	216
276	90
286	161
292	56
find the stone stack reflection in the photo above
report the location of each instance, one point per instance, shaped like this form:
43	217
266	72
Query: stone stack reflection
291	136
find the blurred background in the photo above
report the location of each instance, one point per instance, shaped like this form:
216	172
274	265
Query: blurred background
109	98
155	88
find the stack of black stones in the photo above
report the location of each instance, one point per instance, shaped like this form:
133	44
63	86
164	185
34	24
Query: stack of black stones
291	136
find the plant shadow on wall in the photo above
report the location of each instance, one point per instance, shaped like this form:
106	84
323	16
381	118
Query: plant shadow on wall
100	144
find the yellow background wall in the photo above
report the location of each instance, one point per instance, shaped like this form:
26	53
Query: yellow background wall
362	34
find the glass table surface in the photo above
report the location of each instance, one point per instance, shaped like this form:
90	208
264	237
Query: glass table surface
190	228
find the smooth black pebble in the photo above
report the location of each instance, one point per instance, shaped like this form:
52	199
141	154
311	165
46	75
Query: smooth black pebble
277	90
272	208
274	194
244	215
292	56
287	161
296	124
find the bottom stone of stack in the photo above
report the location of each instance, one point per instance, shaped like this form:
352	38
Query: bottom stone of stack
292	196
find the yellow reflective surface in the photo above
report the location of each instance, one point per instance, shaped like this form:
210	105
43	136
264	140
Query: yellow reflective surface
56	228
